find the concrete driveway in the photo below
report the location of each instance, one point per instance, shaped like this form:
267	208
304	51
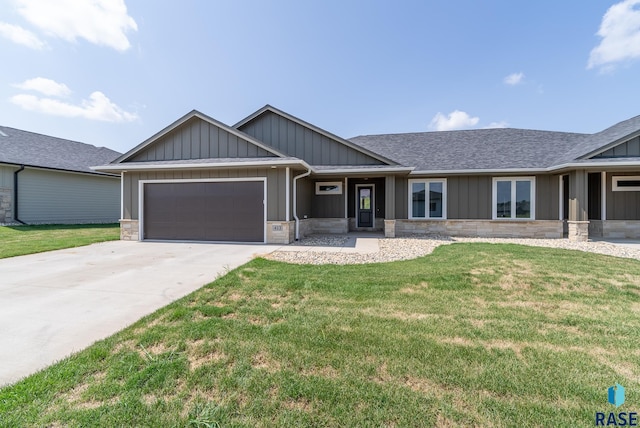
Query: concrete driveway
56	303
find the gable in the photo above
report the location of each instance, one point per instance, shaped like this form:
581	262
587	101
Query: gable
627	149
199	139
296	139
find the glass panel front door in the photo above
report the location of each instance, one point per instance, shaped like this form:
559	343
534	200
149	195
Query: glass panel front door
365	207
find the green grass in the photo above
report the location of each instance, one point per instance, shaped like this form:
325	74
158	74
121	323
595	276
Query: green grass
471	335
21	240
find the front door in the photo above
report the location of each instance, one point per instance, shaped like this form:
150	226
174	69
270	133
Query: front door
365	206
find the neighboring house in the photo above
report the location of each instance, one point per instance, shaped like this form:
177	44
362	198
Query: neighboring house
47	180
273	178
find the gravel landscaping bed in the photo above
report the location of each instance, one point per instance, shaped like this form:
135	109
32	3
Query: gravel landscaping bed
405	248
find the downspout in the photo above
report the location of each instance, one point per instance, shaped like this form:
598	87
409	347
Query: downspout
15	195
295	201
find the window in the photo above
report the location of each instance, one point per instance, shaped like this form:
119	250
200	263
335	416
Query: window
626	184
428	199
513	198
329	188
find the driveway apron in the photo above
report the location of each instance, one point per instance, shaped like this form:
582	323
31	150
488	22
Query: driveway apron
55	303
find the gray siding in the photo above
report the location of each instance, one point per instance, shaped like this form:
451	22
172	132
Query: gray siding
470	197
197	139
622	205
6	176
327	206
66	198
402	207
306	192
293	139
547	197
628	149
276	187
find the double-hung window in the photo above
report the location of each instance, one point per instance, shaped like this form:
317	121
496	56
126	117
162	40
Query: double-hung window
428	199
514	198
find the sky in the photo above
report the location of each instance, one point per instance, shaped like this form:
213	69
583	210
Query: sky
113	72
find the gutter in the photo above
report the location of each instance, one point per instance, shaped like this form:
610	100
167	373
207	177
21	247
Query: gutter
295	200
15	195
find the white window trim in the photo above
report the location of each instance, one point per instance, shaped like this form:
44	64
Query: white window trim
426	182
494	198
618	178
336	191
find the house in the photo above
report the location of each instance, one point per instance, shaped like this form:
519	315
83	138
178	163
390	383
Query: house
273	178
47	180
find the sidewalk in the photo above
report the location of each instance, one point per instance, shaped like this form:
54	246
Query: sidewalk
353	242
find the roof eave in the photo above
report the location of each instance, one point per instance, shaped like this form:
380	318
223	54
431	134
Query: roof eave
47	168
272	162
478	171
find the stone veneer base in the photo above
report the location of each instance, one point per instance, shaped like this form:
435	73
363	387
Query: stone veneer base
479	228
129	230
578	231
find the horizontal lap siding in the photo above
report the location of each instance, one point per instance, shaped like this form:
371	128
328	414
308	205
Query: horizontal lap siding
197	139
296	140
276	179
59	197
6	176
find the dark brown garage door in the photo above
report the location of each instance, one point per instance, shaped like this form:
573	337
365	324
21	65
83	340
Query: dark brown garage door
218	211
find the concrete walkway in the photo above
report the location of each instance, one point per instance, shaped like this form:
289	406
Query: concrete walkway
354	242
55	303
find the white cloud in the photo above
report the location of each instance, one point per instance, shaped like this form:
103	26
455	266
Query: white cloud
620	32
455	120
102	22
45	86
514	79
19	35
501	124
97	107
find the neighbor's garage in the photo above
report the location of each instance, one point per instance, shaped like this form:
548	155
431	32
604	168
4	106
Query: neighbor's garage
204	211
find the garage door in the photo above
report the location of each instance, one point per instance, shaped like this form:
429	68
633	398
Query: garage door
204	211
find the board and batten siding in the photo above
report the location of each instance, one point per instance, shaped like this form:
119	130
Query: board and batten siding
622	205
296	140
56	197
198	139
628	149
276	188
471	197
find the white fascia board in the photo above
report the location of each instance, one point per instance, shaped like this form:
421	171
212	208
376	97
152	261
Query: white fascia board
593	165
360	171
152	166
479	171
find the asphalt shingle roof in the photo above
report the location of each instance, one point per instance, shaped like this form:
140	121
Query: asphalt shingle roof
603	138
499	148
31	149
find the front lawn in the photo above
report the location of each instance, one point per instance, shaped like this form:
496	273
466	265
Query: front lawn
21	240
471	335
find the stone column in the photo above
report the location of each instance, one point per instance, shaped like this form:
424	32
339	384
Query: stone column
578	199
389	228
